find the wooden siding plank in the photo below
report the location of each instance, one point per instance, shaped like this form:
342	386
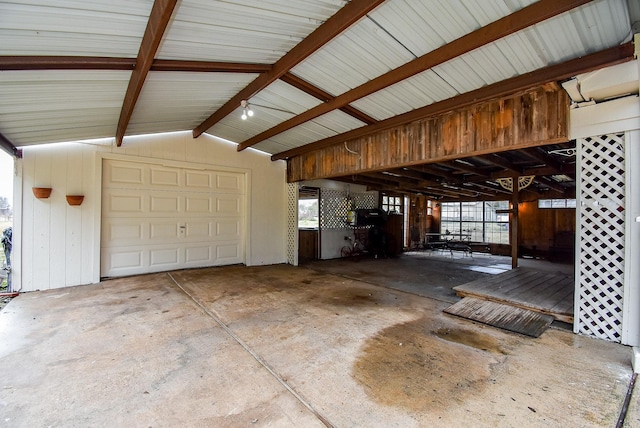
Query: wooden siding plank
518	121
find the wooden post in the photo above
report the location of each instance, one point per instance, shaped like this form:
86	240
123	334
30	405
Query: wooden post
513	226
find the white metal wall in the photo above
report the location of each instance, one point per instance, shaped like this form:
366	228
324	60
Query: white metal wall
57	245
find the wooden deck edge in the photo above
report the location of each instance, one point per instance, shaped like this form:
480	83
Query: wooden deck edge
568	318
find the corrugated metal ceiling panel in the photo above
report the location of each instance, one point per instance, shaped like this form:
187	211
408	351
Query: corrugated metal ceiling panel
360	54
73	27
275	104
424	25
418	91
173	101
241	31
324	126
53	106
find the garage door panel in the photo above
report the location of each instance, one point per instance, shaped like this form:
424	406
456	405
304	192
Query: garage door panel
199	180
125	174
198	205
124	203
198	230
199	254
160	177
165	258
163	230
227	253
227	229
158	218
228	205
122	231
228	182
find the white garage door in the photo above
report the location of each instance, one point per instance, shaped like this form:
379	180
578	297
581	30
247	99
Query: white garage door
158	218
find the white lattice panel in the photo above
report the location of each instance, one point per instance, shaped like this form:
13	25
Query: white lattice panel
333	209
292	224
601	248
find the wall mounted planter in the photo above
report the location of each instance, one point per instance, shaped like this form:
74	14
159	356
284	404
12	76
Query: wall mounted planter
41	192
75	199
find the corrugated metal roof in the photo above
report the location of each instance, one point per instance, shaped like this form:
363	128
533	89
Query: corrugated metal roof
177	101
242	31
54	106
49	106
67	27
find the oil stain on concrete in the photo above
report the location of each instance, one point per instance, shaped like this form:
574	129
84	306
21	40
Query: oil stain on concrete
411	366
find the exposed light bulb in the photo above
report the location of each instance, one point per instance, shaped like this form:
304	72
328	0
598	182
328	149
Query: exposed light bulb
244	115
250	113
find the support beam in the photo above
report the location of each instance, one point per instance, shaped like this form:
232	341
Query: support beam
8	146
343	19
109	63
504	88
523	18
314	91
513	224
156	26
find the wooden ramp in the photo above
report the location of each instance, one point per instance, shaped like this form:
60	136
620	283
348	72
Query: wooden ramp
548	293
502	316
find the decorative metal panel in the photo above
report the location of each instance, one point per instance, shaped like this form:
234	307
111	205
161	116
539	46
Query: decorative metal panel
599	296
292	224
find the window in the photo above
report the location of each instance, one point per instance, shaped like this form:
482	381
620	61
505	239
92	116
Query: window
479	220
429	207
556	203
308	214
392	204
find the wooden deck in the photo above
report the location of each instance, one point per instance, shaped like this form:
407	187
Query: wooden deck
545	292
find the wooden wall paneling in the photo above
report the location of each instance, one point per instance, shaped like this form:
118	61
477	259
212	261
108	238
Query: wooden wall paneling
523	120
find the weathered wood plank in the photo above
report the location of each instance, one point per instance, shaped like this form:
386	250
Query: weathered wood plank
507	317
498	125
527	289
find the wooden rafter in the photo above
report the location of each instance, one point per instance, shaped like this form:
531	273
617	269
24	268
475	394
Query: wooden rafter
525	17
156	26
607	57
111	63
318	93
335	25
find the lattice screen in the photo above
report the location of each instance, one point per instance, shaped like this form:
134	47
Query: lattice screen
601	242
334	205
333	209
365	200
292	224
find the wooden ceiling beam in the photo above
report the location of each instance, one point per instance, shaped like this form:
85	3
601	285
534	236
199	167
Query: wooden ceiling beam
44	62
497	160
318	93
611	56
523	18
158	20
209	66
340	21
109	63
544	158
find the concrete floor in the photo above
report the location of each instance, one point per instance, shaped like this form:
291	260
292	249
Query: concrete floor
290	347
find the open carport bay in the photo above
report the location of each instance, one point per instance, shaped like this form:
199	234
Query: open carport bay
286	346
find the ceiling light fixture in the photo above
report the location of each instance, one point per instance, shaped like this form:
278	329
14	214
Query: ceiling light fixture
246	110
